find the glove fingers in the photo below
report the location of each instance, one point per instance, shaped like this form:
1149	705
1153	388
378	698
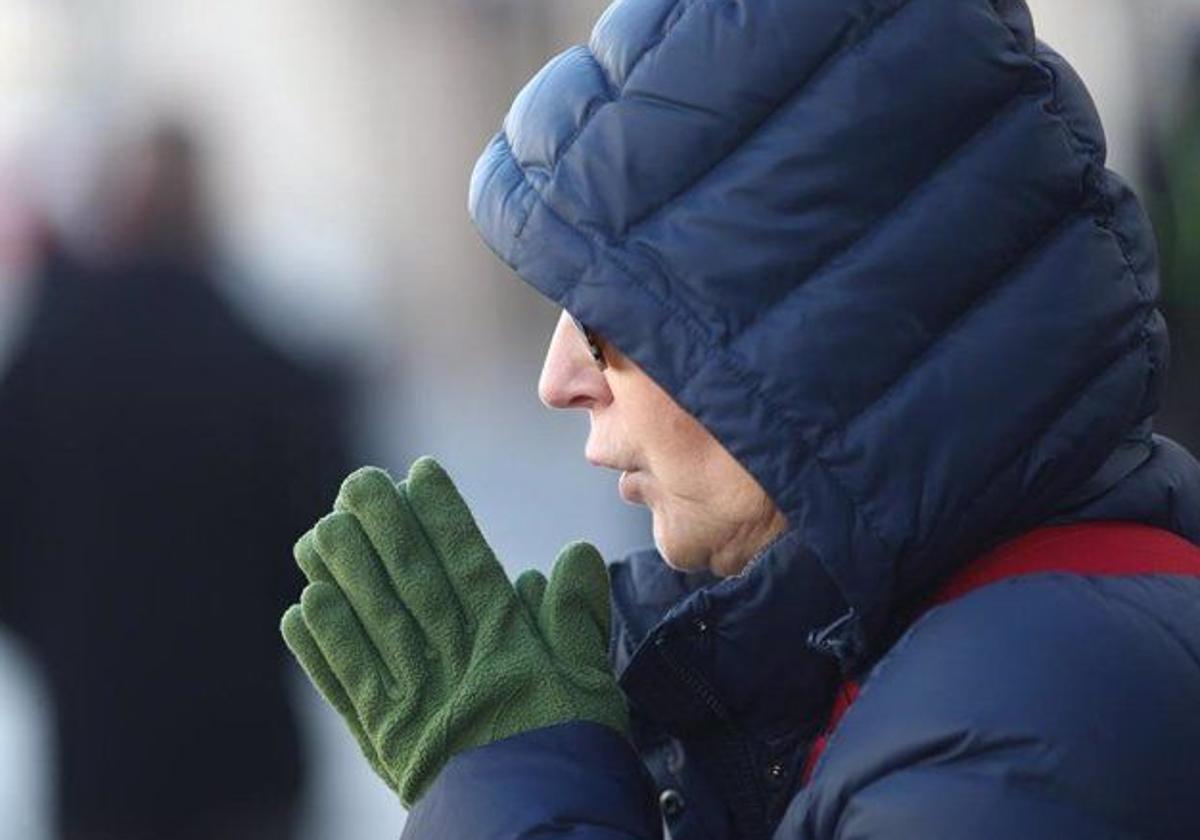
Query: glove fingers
309	561
411	565
476	576
531	588
360	575
575	611
353	659
304	647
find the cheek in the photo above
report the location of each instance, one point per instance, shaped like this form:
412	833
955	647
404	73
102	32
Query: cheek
684	463
691	478
677	450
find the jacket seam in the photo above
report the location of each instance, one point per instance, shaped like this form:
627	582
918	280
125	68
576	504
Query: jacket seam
1093	180
1092	185
1192	655
1008	275
589	113
918	190
825	66
612	92
1062	408
916	628
1076	149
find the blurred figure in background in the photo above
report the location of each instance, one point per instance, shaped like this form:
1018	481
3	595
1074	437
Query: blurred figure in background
157	460
1173	175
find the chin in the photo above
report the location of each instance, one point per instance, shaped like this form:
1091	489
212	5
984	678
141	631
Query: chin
679	554
678	563
687	552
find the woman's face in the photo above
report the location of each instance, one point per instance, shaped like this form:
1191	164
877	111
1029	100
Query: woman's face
709	512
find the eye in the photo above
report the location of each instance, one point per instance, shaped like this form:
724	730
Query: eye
593	343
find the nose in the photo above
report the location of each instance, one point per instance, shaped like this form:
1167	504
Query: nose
570	377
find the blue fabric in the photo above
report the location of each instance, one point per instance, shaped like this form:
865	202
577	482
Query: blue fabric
577	780
873	247
977	725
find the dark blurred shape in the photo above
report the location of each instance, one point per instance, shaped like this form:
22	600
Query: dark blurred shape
157	462
1173	173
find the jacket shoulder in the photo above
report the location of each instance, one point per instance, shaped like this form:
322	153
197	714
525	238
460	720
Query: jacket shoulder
1044	705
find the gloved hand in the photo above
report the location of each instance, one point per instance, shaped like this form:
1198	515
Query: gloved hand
410	628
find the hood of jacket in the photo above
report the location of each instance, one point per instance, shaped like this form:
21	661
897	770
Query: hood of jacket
873	247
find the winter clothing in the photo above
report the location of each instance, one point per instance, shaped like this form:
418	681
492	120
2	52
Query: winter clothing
412	631
1095	548
872	246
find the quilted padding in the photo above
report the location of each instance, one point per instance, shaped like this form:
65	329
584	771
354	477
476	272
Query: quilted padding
870	244
873	246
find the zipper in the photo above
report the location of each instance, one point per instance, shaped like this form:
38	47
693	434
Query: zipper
745	758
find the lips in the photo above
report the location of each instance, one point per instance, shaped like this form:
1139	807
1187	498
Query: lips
629	484
599	461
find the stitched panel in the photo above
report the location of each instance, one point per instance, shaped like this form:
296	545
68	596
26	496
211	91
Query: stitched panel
923	183
878	24
552	109
580	187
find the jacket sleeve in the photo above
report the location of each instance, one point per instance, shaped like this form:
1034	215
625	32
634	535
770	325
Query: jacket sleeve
1047	706
576	781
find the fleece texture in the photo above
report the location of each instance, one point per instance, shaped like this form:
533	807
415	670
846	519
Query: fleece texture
411	630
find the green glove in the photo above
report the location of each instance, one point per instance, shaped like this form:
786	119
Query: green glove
411	630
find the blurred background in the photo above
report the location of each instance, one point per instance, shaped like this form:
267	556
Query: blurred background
235	261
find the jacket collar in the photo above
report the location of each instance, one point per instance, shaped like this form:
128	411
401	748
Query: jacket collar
768	647
695	652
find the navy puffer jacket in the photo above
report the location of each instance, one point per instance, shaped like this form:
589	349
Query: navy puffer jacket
873	247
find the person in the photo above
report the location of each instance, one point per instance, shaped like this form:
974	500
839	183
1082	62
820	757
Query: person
859	314
140	420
